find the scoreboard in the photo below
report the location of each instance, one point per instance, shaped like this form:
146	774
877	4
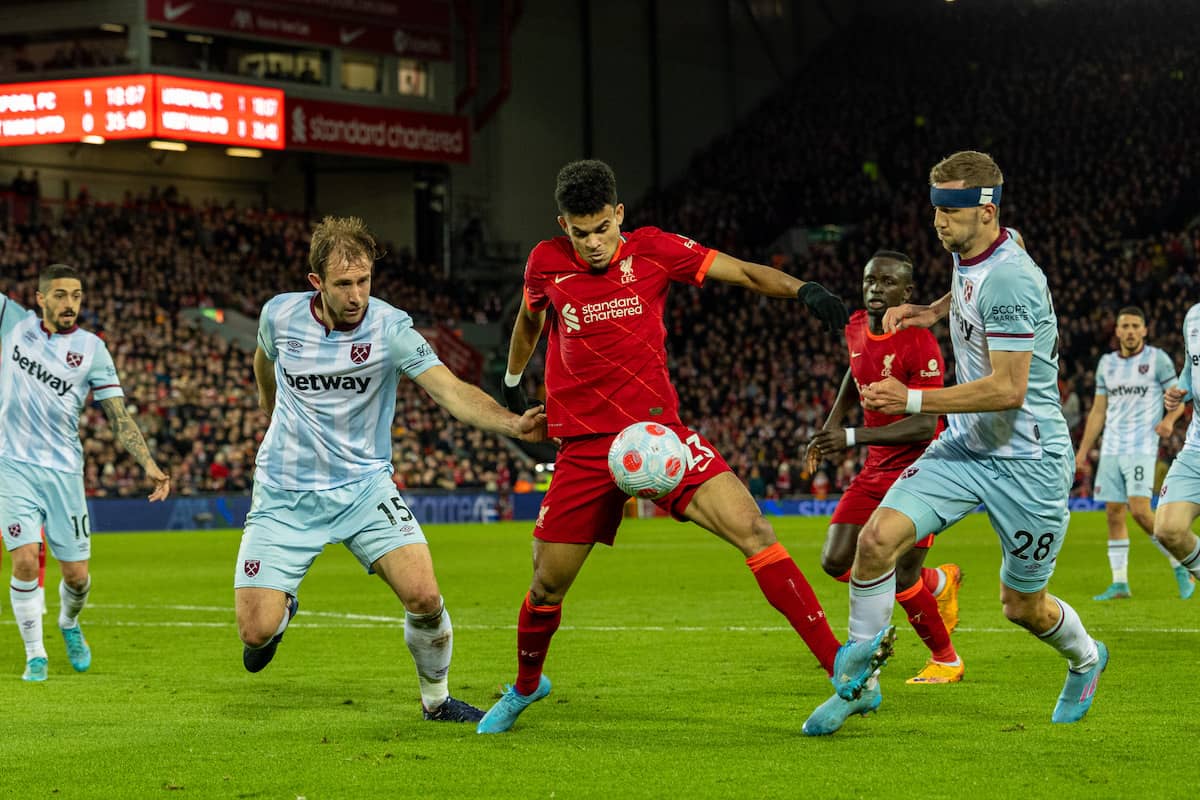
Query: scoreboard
141	106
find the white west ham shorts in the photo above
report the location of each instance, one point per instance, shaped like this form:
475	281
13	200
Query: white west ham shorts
1119	478
286	530
1182	484
34	498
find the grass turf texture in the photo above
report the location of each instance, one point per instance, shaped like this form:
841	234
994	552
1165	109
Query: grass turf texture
672	677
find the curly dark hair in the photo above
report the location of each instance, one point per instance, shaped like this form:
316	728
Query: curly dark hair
585	187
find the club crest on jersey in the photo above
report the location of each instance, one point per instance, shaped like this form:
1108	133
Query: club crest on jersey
886	372
968	290
74	360
1143	368
908	473
541	519
250	567
14	530
626	266
359	353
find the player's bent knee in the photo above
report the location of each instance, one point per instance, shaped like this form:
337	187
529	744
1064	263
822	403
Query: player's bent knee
256	632
423	602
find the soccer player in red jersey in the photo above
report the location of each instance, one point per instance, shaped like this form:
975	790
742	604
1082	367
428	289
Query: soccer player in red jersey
606	368
912	356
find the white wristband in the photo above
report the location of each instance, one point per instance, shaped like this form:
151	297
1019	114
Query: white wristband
511	379
913	406
849	437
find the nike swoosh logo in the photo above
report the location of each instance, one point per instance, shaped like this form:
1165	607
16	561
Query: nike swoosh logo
561	278
173	12
855	355
349	36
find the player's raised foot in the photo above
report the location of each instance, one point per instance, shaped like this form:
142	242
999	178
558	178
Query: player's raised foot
35	670
453	710
504	713
833	713
937	672
1080	689
856	662
1115	591
256	659
947	600
1187	584
78	652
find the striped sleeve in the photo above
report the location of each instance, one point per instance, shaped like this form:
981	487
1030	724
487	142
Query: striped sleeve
1009	302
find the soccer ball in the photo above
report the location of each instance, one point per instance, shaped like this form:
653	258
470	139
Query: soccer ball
647	460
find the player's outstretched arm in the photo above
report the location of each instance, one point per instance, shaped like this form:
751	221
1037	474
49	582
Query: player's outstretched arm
1004	389
472	405
264	376
1091	431
772	282
527	329
126	432
909	315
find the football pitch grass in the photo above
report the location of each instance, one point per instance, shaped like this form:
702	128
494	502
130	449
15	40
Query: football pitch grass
672	678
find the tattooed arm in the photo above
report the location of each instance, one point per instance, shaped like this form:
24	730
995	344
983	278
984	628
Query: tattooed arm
126	432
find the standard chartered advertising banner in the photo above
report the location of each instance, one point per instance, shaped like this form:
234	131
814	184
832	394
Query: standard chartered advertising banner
229	511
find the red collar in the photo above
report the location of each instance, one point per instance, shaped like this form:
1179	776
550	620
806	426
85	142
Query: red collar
49	333
312	307
991	248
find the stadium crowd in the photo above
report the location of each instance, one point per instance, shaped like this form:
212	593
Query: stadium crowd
193	392
1086	112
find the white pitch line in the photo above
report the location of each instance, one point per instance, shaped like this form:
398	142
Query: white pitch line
380	621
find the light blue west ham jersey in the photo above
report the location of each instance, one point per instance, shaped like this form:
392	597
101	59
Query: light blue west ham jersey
1189	379
1000	301
1134	386
335	391
44	382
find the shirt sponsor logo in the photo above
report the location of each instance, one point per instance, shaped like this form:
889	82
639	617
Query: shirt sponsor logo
36	370
931	369
616	308
325	383
1014	312
1129	391
570	317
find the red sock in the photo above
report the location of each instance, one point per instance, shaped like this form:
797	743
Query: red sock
929	577
42	560
786	589
535	627
921	606
845	576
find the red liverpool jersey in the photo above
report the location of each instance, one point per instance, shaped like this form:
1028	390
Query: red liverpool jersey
912	357
606	367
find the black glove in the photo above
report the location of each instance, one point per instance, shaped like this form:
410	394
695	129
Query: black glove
514	397
824	305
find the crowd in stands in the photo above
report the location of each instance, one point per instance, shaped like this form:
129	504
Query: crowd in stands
1086	107
1086	112
193	392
